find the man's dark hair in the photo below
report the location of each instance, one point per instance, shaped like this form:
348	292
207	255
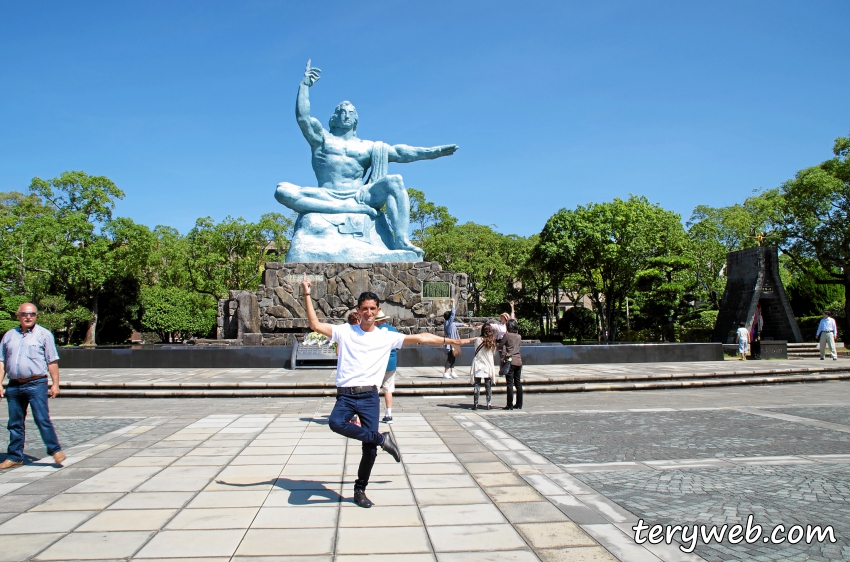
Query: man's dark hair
741	324
368	296
447	314
513	326
827	312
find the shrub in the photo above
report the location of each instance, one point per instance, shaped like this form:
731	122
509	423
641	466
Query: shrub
578	323
528	329
176	311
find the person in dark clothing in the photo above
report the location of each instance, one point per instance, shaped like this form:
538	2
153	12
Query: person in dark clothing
509	348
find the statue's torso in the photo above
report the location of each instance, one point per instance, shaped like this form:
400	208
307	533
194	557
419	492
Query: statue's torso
340	164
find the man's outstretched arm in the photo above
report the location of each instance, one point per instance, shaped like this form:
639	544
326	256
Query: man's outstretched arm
427	338
402	153
315	325
310	127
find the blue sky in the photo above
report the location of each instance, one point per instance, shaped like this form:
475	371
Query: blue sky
189	106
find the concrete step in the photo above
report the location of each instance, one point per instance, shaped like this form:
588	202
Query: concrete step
438	387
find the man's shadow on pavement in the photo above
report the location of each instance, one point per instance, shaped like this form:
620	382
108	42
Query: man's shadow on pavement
29	459
302	492
320	421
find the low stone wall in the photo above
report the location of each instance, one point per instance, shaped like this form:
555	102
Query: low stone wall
413	295
196	357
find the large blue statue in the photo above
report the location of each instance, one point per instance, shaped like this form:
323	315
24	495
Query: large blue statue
341	220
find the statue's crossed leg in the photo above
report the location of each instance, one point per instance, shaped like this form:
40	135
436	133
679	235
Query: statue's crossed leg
368	199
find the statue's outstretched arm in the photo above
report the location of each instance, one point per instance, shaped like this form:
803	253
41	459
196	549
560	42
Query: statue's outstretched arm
310	126
402	153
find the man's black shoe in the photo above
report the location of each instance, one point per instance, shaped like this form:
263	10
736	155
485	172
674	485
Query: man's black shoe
390	447
361	499
475	406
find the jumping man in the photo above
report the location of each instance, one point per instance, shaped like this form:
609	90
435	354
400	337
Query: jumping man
363	354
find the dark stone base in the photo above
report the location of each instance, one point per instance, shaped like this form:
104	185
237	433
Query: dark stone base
192	357
279	311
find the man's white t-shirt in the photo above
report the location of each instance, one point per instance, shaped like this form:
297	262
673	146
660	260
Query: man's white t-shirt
363	355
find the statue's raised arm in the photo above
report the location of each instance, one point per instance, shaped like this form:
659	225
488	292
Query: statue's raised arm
310	126
402	153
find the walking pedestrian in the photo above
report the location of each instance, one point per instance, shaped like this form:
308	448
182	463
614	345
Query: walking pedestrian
364	351
827	330
483	365
450	329
742	337
27	355
509	348
382	321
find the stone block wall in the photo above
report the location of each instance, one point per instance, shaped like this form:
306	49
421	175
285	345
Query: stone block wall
277	311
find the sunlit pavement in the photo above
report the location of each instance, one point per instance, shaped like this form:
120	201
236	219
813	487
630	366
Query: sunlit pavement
563	479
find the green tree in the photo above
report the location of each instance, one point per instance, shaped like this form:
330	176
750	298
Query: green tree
91	246
424	213
715	231
606	245
31	238
666	286
174	312
8	311
540	286
168	265
229	255
61	317
478	251
815	220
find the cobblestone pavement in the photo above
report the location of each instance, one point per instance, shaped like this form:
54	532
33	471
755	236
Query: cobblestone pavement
710	466
834	415
787	495
647	436
242	479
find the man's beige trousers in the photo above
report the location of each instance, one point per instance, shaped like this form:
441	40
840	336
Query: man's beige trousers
827	339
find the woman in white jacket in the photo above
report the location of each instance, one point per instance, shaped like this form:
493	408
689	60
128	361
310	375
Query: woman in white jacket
483	365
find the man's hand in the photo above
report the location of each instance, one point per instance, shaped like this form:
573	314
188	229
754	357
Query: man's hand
311	75
306	285
53	391
446	150
453	301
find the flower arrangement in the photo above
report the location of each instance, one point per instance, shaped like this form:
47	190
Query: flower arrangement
320	340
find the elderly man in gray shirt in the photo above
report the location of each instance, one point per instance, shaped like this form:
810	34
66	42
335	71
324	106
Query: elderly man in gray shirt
27	355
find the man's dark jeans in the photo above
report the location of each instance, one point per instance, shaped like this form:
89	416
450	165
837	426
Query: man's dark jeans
19	397
367	406
513	379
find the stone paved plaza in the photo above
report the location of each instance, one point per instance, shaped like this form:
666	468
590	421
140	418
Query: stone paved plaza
564	479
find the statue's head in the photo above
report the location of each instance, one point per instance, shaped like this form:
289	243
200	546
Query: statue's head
344	117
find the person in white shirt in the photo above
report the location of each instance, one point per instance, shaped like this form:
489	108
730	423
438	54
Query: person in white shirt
364	351
742	337
500	328
827	330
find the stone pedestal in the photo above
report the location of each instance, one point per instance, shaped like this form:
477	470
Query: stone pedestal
345	237
413	294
